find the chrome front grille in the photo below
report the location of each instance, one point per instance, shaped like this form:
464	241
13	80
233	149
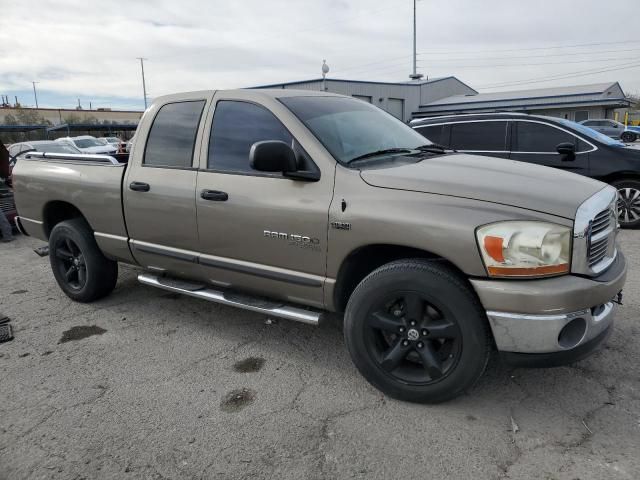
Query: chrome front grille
601	221
599	238
594	233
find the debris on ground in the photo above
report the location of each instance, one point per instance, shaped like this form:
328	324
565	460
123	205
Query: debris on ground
6	332
514	426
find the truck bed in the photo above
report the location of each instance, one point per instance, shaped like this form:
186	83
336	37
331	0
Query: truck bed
91	184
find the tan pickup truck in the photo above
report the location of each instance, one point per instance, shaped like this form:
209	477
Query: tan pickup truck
294	203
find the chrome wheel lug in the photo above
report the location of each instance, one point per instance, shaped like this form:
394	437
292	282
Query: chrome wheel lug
425	332
405	343
401	329
397	312
413	322
420	344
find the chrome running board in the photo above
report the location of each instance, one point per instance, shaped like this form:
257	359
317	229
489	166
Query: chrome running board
255	304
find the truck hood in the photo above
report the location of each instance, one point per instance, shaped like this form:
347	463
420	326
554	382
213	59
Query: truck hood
496	180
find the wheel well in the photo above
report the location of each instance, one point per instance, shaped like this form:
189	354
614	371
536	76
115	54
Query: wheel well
620	176
364	260
56	212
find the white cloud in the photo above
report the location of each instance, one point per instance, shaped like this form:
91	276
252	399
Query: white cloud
81	48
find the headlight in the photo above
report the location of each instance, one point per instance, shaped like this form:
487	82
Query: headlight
525	249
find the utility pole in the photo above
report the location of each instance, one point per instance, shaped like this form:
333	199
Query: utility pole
34	93
415	75
144	86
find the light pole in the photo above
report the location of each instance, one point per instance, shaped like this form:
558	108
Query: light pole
415	75
35	94
144	86
325	70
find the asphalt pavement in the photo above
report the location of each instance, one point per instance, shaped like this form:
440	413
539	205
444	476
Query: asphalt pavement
148	384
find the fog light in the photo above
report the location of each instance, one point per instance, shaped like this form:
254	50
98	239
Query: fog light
572	333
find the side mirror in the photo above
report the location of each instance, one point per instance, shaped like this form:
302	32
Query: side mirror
567	149
272	156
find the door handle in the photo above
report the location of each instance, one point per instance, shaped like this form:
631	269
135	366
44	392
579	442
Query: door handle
139	186
214	195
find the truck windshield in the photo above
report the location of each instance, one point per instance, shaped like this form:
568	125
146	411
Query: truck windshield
351	128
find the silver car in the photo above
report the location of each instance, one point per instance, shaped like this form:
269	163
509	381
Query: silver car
611	128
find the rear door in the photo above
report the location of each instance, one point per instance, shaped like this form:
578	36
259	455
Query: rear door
536	142
159	191
612	129
265	233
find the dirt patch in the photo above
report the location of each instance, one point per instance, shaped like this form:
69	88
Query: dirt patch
19	292
249	365
236	400
78	333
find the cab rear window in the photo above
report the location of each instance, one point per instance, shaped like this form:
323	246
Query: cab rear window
173	135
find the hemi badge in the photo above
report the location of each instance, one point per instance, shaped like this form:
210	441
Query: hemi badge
341	225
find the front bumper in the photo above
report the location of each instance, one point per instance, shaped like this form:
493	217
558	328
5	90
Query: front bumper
552	316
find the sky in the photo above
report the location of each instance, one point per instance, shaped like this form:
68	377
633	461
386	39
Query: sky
87	50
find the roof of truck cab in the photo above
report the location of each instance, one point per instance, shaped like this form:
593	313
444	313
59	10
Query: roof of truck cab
257	93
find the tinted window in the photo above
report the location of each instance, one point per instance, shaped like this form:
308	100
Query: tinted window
173	135
538	137
488	136
236	126
432	132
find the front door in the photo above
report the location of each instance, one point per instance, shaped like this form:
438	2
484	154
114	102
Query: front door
536	142
260	232
159	190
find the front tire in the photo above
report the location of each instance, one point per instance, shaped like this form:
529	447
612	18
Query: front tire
628	137
628	202
417	332
83	273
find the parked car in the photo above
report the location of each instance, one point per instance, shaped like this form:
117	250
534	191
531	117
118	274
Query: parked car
89	144
294	203
19	150
612	129
549	141
7	204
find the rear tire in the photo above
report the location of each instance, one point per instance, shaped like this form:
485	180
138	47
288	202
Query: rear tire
416	331
628	202
83	273
628	137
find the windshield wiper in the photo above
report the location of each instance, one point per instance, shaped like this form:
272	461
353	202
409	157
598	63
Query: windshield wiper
380	152
432	148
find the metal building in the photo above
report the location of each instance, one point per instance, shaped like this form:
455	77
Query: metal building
577	103
399	99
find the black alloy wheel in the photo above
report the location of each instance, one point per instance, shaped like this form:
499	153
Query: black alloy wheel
412	340
70	262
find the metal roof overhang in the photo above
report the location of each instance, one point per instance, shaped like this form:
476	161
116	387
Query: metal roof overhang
22	128
83	127
469	107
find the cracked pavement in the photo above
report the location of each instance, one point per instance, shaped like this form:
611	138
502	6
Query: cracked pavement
145	398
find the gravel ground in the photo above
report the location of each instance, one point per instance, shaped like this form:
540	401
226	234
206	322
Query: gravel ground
145	384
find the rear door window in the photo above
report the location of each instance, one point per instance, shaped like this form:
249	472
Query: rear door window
172	136
540	137
479	136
